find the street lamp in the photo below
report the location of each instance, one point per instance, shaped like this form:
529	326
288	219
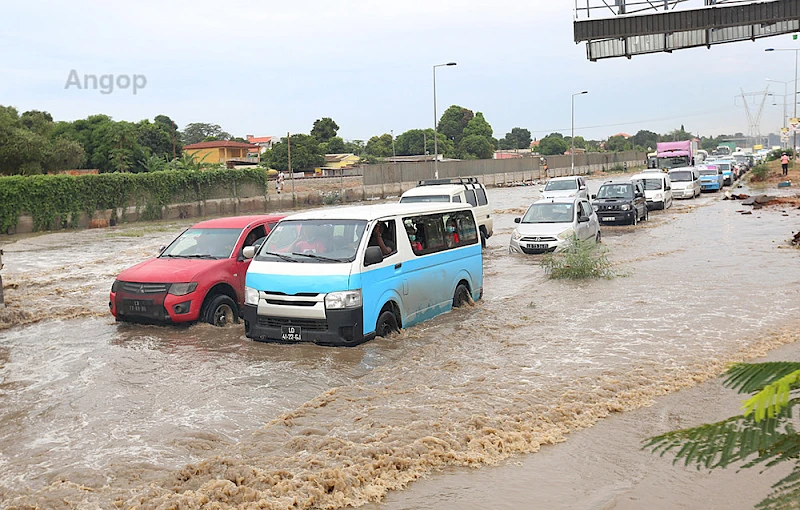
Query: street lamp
572	138
436	121
785	93
794	131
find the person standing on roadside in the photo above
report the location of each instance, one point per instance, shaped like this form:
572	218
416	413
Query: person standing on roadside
785	164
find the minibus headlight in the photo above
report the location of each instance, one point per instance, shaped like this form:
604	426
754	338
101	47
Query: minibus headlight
181	289
250	296
344	299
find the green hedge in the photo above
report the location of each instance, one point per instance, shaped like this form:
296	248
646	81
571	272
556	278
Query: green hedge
51	198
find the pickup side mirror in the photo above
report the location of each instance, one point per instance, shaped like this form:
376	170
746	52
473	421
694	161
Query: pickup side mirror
161	248
249	252
374	255
517	220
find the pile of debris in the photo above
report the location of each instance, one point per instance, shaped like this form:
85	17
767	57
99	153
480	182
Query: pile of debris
795	240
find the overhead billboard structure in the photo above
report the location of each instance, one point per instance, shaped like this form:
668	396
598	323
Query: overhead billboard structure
640	27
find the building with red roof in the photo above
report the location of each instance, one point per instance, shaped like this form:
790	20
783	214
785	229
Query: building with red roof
223	151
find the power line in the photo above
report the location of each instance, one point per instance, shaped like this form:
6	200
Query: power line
698	114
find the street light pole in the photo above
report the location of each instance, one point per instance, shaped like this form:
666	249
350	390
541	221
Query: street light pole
572	136
435	122
794	131
785	93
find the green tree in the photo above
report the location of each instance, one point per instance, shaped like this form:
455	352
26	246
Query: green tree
334	145
40	123
618	144
477	125
764	435
198	131
380	146
65	154
306	153
154	138
517	138
354	146
453	122
646	139
324	129
553	144
476	146
153	164
412	142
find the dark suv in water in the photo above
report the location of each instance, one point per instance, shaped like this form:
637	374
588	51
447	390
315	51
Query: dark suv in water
620	202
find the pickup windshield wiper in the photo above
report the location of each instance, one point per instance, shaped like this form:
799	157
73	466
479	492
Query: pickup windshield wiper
279	255
200	256
318	257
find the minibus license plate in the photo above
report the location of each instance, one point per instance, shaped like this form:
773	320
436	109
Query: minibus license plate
290	333
537	246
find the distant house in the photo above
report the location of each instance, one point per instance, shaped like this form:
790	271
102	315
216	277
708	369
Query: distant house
335	164
223	151
623	135
578	150
264	143
511	154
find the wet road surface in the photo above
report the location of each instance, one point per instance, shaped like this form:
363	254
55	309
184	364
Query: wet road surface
92	412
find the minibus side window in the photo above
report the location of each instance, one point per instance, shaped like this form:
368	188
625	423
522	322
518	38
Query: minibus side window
438	232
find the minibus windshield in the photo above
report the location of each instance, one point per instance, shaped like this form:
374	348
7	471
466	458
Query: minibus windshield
313	241
681	176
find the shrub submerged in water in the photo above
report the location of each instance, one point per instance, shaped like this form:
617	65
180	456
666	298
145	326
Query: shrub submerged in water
579	260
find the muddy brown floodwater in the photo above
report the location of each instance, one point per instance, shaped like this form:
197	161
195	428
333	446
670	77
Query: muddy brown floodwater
95	414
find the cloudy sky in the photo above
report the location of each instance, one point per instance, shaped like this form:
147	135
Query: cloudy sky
265	68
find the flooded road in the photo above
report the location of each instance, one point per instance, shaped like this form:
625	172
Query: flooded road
95	414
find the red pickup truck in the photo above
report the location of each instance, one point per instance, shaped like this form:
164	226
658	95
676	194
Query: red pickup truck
198	277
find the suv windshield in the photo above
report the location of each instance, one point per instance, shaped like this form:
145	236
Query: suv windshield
203	243
561	185
615	191
425	198
681	176
313	241
549	213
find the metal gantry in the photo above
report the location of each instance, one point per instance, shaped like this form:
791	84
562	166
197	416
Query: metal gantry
753	116
636	27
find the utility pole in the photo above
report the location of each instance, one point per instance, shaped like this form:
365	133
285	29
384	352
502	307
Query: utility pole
174	151
291	174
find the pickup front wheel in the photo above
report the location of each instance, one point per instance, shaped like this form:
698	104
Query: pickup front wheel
221	311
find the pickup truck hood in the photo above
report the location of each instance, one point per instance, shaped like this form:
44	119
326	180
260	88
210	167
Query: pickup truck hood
169	270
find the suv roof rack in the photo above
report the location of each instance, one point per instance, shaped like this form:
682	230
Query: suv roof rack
454	180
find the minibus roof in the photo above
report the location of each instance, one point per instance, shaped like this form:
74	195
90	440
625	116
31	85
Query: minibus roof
373	212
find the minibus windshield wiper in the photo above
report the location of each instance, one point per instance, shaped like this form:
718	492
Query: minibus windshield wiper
279	255
318	257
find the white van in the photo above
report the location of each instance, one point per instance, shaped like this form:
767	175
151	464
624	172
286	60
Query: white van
344	275
685	182
465	190
657	189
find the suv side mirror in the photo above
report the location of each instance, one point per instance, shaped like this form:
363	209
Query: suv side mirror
374	255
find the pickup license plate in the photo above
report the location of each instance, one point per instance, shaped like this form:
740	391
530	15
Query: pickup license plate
138	307
537	246
290	333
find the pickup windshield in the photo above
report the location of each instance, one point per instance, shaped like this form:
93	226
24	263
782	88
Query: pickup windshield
549	213
561	185
313	241
203	243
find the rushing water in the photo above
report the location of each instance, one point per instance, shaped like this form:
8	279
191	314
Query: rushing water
94	413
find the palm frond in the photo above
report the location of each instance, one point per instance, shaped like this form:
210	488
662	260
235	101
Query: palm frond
772	398
785	494
752	377
723	443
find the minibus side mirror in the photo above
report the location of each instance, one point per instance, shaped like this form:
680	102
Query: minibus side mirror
374	255
249	252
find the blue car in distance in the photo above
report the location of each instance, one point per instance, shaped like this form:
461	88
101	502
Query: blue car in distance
711	178
727	172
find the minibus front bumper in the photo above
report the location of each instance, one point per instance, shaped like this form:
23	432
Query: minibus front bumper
338	328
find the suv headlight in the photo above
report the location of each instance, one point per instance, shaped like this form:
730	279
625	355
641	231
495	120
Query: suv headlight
624	207
567	234
343	299
250	296
181	289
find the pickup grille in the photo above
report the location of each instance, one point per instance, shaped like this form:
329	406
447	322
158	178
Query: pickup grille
145	288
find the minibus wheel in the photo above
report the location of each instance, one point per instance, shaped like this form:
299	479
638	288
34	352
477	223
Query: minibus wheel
461	295
387	323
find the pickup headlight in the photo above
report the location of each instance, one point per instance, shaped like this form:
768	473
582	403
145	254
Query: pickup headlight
516	236
115	286
344	299
624	207
181	289
567	234
250	296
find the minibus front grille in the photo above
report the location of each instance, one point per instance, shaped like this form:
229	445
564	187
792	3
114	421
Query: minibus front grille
280	302
309	324
300	294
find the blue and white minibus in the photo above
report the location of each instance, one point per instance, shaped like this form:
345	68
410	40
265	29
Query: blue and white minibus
344	275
